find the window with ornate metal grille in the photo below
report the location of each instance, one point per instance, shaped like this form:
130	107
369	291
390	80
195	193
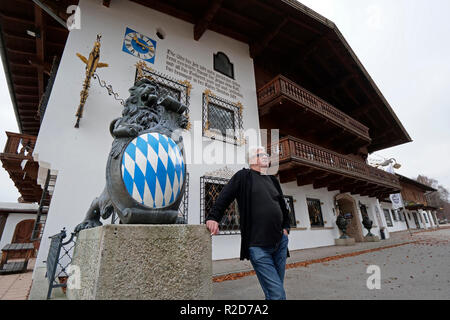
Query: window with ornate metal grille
177	89
210	190
290	205
315	212
363	208
388	217
395	215
222	120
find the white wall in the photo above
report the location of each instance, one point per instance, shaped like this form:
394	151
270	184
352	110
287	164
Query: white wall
396	225
427	222
412	223
304	237
79	155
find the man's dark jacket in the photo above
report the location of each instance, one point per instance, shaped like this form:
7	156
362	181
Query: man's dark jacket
240	188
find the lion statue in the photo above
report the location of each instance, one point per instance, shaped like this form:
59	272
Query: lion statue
150	108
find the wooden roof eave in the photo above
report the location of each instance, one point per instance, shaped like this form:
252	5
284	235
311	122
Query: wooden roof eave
316	16
312	14
8	77
417	184
372	83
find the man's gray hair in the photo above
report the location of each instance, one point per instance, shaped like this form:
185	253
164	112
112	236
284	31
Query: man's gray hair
252	152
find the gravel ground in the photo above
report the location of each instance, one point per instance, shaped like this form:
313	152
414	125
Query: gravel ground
413	271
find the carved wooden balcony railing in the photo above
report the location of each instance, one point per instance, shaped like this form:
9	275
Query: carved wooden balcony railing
18	148
281	86
310	155
19	145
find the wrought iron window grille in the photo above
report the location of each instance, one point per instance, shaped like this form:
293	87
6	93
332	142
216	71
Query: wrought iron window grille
387	215
184	205
210	188
290	205
222	119
315	212
395	215
363	209
177	89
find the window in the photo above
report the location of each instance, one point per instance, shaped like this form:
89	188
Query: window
425	216
394	215
222	120
400	215
388	217
364	213
179	90
210	190
290	205
315	212
223	65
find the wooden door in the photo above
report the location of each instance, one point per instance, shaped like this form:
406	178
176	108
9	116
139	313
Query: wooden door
22	234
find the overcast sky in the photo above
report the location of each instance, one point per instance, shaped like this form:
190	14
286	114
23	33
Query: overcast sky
405	47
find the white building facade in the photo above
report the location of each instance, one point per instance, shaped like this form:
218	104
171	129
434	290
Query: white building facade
78	156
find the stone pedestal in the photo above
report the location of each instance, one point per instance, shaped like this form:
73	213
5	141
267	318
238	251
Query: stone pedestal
344	242
372	238
143	262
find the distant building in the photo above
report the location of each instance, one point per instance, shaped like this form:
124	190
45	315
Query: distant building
416	213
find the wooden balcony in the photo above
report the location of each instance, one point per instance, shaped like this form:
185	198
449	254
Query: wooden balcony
310	164
18	162
285	105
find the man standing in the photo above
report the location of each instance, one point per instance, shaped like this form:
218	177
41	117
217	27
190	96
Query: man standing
264	221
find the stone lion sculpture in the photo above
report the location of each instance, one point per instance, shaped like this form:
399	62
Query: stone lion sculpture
145	174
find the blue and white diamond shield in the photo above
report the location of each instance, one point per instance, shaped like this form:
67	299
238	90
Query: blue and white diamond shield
153	170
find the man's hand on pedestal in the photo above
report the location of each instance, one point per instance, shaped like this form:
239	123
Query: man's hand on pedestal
213	226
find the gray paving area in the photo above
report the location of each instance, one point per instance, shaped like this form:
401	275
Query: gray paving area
418	268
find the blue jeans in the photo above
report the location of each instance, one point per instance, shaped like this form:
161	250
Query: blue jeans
270	264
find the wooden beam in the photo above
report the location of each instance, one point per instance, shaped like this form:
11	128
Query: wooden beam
306	179
352	69
305	26
16	19
167	8
337	82
40	54
202	25
258	47
40	65
288	176
361	111
340	184
15	51
325	182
